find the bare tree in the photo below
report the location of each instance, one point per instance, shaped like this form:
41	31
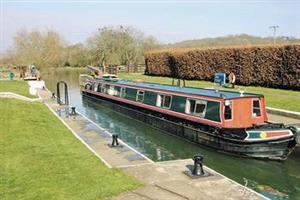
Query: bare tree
43	49
76	56
119	45
110	45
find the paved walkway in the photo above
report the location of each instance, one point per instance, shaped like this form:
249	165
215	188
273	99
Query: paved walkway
283	119
17	96
163	180
167	181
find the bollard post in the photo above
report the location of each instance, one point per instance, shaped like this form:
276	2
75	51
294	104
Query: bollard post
73	111
198	165
115	141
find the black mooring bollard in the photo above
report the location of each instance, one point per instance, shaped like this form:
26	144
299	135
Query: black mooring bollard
115	141
73	111
198	165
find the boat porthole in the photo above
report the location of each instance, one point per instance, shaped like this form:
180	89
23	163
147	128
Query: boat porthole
87	86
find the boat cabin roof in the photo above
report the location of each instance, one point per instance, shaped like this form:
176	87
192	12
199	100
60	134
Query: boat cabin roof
188	90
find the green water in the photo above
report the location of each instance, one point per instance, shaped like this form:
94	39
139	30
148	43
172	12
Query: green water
276	180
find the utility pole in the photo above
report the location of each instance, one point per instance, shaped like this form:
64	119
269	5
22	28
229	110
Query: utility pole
274	32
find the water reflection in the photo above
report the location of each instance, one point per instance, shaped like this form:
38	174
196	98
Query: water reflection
277	180
263	176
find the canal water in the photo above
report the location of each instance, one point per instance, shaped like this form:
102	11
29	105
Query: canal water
276	180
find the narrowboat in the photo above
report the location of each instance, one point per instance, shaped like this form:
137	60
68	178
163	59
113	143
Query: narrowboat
231	122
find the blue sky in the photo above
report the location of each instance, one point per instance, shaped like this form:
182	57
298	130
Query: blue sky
168	21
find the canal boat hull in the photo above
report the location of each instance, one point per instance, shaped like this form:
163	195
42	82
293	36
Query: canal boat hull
276	149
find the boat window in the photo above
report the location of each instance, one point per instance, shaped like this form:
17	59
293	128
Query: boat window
196	107
116	91
163	101
111	90
123	92
256	108
99	87
192	106
95	87
167	101
106	88
228	111
200	107
140	96
88	86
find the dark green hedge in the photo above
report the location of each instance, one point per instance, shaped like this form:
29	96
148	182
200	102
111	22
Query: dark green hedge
270	66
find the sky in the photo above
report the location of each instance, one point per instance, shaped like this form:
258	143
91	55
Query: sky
167	20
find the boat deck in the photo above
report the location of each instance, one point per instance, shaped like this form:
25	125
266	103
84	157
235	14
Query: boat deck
188	90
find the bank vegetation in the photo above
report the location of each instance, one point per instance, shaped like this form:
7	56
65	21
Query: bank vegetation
41	158
109	45
274	66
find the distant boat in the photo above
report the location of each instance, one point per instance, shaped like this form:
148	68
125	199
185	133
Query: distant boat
233	122
30	78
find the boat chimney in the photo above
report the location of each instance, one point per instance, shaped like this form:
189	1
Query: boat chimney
216	90
242	93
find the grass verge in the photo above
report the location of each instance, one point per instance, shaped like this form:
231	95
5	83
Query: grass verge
18	87
276	98
41	159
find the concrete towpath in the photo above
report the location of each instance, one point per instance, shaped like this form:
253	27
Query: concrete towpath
97	139
167	180
162	180
283	119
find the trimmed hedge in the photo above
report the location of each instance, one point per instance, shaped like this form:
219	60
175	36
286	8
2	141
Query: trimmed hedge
269	66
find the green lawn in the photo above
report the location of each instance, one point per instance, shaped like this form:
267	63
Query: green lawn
41	159
276	98
19	87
